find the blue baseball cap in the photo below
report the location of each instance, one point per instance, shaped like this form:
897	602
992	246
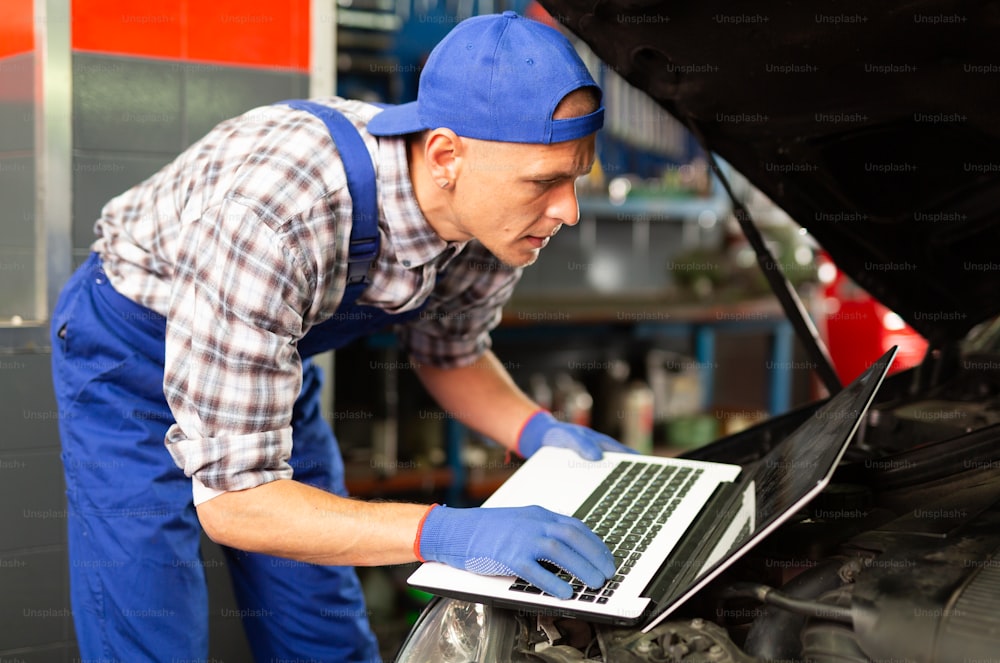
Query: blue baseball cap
496	77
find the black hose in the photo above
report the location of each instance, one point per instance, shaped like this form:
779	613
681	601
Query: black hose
830	642
776	634
771	596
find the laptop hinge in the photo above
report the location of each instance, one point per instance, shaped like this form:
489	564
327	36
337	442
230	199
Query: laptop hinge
680	569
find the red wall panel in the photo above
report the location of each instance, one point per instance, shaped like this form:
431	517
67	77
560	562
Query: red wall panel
253	32
17	26
152	28
258	33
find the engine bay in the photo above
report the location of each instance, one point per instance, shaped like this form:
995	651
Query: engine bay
897	560
923	586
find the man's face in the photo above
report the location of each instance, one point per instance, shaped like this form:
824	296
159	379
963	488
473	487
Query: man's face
513	197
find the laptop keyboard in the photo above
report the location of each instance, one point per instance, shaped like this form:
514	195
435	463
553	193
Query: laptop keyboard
626	511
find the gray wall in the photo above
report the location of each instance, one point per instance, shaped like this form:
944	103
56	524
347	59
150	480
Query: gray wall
34	607
17	185
130	117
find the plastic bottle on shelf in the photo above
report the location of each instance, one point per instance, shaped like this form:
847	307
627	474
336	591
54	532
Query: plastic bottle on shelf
571	401
539	390
580	406
609	396
637	417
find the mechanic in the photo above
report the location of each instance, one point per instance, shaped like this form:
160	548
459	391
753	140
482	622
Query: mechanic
212	283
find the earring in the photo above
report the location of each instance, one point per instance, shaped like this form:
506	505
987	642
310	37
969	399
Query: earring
444	184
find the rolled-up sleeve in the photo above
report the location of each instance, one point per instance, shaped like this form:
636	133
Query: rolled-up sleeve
454	328
232	372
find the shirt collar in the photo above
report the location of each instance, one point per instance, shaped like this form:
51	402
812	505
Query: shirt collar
413	239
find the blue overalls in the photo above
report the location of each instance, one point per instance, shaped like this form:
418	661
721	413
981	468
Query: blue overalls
138	587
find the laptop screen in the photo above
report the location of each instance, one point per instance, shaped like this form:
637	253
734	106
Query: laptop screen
772	489
810	454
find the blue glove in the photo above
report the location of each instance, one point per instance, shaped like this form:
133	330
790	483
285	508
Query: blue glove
544	430
511	541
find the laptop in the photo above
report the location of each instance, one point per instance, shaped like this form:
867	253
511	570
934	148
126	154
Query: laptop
674	524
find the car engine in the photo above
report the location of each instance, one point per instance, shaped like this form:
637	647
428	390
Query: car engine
897	560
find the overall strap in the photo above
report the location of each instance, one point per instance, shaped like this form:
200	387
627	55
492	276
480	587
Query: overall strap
362	186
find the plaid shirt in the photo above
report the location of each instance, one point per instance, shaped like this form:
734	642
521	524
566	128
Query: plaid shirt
241	243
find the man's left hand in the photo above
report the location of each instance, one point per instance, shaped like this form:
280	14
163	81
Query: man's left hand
544	430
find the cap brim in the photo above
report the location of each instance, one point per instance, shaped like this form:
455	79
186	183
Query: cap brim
396	121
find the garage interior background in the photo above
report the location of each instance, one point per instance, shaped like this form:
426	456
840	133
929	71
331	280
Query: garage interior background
648	320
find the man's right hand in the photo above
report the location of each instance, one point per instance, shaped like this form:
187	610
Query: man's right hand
512	541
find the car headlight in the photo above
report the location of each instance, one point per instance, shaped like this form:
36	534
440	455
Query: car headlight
452	631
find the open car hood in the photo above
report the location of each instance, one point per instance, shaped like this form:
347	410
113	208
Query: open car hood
877	127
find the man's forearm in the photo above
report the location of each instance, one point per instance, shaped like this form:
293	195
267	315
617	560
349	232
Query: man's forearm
289	519
482	396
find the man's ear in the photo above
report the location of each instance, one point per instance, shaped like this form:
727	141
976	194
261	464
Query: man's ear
443	153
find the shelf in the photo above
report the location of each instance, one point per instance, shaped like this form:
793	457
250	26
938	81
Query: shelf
525	309
478	485
362	482
653	208
531	319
